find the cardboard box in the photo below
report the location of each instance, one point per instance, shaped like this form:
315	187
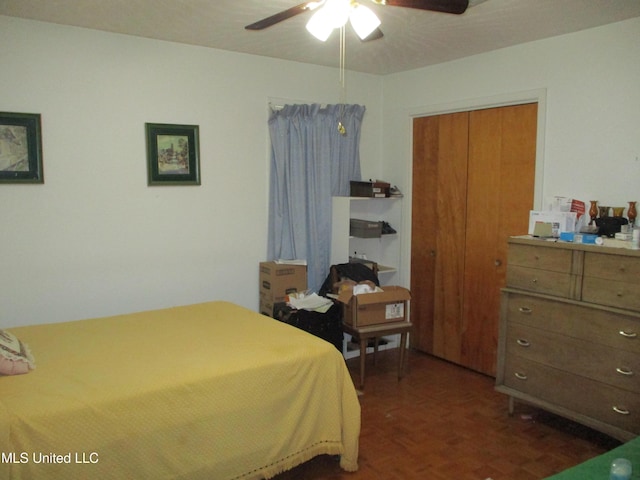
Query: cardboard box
277	280
387	306
267	308
370	189
365	228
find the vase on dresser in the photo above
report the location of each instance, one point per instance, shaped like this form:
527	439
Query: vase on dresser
632	214
593	211
618	211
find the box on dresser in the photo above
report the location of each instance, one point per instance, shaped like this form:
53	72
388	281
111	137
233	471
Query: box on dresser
569	327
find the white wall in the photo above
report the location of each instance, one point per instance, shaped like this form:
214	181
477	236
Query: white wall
95	239
590	120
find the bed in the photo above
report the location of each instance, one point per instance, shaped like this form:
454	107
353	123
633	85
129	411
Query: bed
597	468
205	391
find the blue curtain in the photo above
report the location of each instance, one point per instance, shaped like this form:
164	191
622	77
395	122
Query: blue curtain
311	161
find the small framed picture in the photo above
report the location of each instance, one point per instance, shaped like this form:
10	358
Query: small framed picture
20	148
173	154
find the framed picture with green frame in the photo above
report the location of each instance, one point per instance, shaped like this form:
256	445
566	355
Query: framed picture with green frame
173	154
20	148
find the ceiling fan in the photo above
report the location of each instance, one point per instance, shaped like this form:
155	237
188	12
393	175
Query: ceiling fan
335	13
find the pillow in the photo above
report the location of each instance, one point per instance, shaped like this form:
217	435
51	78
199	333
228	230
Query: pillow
15	357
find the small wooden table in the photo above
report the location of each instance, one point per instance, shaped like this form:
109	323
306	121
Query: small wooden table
376	331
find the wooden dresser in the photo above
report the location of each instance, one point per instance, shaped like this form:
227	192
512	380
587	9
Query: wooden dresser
570	332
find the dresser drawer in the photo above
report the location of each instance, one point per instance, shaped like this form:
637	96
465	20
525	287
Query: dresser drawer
610	292
612	267
618	368
584	396
540	281
615	330
544	258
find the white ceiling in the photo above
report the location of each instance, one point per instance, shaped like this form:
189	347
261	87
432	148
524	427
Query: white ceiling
412	38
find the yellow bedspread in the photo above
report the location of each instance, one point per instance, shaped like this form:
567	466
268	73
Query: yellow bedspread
208	391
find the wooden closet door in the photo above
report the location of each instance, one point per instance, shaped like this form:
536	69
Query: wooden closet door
437	235
500	188
473	182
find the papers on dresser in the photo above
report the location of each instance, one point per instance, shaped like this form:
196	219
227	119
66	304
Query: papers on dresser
558	221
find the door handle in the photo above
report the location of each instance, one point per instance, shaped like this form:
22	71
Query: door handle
624	371
620	410
626	334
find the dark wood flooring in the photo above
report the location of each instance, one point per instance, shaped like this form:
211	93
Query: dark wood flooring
444	422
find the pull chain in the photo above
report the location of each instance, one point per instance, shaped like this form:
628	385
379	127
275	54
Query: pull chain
343	81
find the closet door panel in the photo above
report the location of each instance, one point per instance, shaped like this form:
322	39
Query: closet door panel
424	222
451	206
437	240
500	196
481	293
518	166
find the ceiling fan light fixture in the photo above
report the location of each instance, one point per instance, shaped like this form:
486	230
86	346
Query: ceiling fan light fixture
363	21
337	12
332	14
319	25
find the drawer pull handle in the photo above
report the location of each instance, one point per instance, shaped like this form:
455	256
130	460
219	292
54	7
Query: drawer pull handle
535	280
525	310
523	343
618	294
521	376
621	411
624	371
628	334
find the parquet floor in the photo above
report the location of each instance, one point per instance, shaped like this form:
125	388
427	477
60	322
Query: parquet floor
444	422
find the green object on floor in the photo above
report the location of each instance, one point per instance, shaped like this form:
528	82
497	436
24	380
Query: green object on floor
597	468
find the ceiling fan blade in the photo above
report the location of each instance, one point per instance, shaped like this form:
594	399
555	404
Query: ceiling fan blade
375	35
446	6
281	16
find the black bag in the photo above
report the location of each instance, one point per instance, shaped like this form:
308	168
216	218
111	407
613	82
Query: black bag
327	326
609	226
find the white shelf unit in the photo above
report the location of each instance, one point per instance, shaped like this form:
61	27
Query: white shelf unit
384	250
